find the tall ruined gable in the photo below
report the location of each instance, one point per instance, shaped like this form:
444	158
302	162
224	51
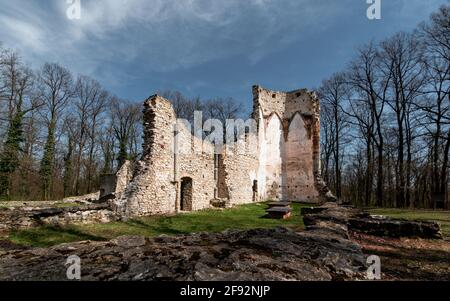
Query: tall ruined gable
289	136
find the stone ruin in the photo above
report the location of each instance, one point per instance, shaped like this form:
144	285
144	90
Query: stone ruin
285	165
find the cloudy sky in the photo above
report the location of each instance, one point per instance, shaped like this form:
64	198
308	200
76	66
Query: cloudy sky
204	48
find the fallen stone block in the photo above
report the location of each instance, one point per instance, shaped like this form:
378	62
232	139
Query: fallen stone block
279	212
384	226
217	203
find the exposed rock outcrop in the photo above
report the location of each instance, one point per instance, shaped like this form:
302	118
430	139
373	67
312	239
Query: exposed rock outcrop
383	226
333	217
260	254
323	252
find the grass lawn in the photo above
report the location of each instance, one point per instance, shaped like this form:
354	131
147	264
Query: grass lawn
442	217
241	217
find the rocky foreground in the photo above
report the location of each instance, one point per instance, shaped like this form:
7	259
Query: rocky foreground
277	254
326	251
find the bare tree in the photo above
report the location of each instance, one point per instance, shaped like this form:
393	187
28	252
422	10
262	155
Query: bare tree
124	117
362	118
97	110
327	138
18	82
107	145
334	92
370	85
70	131
184	107
57	88
90	103
402	57
435	36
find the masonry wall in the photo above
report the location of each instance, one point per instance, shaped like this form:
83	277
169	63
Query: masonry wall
153	189
195	160
156	186
241	170
123	177
23	218
284	165
300	184
289	127
274	149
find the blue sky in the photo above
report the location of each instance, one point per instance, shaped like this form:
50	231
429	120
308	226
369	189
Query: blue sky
207	48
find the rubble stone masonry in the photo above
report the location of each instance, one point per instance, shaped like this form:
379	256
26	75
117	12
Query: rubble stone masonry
179	171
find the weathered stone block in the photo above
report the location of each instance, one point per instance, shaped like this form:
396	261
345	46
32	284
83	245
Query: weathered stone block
383	226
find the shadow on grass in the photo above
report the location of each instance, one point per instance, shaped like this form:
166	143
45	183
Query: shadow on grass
136	224
51	235
166	226
157	225
241	217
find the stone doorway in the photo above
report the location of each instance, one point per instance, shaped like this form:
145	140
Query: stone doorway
186	194
255	191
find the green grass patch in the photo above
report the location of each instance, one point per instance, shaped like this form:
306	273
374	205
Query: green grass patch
241	217
442	217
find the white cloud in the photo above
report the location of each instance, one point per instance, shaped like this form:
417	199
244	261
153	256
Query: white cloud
30	35
165	34
161	35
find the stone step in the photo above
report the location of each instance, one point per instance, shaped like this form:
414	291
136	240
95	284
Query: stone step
279	212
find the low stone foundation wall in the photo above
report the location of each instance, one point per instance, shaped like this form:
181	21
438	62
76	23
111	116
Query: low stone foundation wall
12	219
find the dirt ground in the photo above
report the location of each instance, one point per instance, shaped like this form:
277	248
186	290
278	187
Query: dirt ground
408	259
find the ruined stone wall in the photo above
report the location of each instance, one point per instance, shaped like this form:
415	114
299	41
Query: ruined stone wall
166	161
195	160
300	183
284	165
123	177
23	218
200	168
289	129
115	184
241	170
153	189
284	104
274	148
